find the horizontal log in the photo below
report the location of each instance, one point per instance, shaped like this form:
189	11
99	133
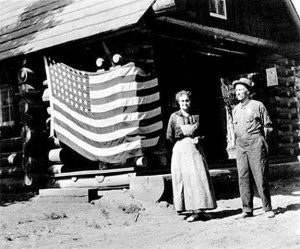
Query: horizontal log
285	139
70	158
13	184
55	155
12	171
141	161
277	60
283	151
150	188
26	75
286	81
56	169
284	102
283	71
24	91
30	106
11	144
223	34
282	91
11	158
286	133
285	110
284	115
288	127
34	140
45	96
9	131
21	184
288	121
99	181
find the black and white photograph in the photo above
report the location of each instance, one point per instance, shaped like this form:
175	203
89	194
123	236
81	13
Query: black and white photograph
150	124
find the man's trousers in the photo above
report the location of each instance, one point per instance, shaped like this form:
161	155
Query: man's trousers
252	164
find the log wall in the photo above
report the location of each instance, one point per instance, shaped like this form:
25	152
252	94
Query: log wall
284	106
22	152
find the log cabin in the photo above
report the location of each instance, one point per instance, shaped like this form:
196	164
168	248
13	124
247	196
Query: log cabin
199	45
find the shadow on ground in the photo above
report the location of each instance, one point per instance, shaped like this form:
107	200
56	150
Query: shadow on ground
7	199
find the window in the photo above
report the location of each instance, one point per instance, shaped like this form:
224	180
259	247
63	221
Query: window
6	105
217	8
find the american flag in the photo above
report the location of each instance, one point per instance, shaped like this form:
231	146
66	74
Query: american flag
107	116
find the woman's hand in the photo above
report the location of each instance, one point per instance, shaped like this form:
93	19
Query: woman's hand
195	140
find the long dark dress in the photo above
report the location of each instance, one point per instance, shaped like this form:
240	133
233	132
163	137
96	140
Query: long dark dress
192	186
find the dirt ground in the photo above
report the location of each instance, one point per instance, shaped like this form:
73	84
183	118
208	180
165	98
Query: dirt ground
117	220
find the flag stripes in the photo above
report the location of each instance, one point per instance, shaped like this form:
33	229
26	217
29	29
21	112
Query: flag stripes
108	116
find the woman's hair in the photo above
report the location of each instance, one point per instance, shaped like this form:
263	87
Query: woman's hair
183	92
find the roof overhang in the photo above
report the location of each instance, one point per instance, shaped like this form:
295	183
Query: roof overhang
32	25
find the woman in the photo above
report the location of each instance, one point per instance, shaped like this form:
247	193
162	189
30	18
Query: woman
192	187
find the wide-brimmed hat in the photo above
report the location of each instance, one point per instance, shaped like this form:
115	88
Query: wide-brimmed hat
244	81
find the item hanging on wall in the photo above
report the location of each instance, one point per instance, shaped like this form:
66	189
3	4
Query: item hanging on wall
105	116
272	79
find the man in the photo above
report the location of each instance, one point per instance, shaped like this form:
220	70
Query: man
252	125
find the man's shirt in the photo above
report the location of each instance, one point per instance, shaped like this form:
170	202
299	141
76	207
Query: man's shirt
250	117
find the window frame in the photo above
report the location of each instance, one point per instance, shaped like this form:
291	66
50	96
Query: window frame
217	13
10	105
